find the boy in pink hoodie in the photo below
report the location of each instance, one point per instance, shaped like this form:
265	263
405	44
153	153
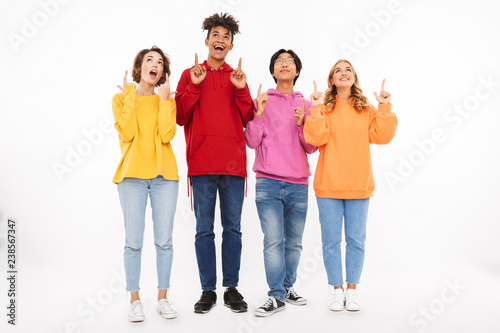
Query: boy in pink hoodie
282	171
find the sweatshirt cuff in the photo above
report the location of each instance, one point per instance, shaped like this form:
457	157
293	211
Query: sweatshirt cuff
194	87
386	107
258	121
315	112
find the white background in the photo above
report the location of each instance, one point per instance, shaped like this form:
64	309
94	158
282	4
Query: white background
432	254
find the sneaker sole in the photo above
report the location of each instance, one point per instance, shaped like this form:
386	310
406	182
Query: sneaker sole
235	310
136	319
270	313
296	302
168	316
206	311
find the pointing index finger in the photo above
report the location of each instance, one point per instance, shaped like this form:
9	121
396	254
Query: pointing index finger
315	87
260	87
304	105
239	64
383	83
196	59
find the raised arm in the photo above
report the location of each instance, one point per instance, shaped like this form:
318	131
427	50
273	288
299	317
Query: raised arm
124	111
167	114
188	91
316	131
383	122
255	128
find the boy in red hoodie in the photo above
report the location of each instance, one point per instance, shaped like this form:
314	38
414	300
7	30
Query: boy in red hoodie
214	105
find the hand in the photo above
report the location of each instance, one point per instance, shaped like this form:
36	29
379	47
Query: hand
125	83
384	97
198	72
316	96
262	100
238	78
164	90
300	113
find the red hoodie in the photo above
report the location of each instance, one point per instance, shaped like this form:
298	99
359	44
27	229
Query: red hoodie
213	115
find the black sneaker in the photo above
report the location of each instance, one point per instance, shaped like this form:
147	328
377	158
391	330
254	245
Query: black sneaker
234	300
207	301
271	306
293	298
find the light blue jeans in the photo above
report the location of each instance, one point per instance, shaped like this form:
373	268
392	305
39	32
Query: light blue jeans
354	212
282	208
133	198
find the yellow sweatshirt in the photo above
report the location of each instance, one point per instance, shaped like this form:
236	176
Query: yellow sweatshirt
343	137
145	128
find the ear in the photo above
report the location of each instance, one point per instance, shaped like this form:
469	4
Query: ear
206	42
231	47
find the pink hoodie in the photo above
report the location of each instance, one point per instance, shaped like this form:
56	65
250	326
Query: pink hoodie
280	147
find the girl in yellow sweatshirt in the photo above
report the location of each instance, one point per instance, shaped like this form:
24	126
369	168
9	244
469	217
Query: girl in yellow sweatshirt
146	123
342	128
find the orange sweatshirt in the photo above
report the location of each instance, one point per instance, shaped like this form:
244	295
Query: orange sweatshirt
145	126
343	137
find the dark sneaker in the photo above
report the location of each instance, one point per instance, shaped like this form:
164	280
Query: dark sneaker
207	301
270	307
293	298
234	300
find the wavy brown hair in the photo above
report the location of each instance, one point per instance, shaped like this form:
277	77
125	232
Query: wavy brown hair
357	99
136	71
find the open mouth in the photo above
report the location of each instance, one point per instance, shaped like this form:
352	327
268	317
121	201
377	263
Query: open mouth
344	79
219	47
153	74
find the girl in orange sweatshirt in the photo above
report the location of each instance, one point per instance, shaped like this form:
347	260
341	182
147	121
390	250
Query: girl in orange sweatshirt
342	128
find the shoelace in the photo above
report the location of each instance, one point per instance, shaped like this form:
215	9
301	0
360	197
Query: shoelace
165	305
269	303
351	297
293	293
137	310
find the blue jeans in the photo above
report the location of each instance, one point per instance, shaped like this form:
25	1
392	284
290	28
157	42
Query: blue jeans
331	213
282	208
231	194
133	194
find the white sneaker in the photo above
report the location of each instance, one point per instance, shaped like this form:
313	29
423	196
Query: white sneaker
350	301
136	312
165	309
338	300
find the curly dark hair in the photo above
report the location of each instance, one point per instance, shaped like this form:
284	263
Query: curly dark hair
221	20
136	71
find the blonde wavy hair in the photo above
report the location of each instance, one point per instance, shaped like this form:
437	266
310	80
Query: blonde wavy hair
357	99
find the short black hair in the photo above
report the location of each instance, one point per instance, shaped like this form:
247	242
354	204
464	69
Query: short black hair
298	63
223	20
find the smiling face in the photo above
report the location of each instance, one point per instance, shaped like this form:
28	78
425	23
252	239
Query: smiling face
219	43
285	68
343	75
152	68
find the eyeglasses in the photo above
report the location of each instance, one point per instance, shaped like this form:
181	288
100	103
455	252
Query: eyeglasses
284	60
